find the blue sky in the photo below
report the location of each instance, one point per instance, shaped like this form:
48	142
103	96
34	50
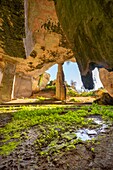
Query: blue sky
71	72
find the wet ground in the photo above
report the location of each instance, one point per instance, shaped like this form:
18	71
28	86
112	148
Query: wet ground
4	119
88	154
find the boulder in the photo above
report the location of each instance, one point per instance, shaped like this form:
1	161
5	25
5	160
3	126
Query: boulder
40	82
106	78
105	99
22	86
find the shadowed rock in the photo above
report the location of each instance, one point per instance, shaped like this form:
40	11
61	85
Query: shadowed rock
88	27
88	81
105	99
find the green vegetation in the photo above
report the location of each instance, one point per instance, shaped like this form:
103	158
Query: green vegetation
41	98
55	125
7	148
74	100
74	93
87	94
49	87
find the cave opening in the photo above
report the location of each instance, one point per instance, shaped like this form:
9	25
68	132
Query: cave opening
72	74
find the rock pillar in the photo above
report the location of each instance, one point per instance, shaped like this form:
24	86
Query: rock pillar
60	86
7	80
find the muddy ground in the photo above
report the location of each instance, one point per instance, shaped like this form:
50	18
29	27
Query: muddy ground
90	155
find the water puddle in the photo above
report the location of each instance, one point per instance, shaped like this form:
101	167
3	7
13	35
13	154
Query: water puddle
87	134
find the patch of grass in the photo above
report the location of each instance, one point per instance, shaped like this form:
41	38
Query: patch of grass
73	93
41	98
74	100
87	94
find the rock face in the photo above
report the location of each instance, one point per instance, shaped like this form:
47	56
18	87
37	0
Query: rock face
107	80
45	43
88	27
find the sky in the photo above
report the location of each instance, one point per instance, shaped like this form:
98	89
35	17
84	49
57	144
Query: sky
71	72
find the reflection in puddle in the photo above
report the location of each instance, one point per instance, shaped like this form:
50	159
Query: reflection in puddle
97	120
88	134
81	134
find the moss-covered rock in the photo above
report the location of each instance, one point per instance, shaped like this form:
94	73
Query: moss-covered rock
12	27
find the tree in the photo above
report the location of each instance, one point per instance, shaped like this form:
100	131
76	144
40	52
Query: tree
73	84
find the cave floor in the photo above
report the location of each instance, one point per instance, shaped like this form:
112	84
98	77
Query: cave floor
54	145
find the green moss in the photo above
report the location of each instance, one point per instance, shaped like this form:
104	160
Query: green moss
7	148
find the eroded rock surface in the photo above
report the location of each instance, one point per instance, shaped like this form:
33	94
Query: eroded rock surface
36	27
